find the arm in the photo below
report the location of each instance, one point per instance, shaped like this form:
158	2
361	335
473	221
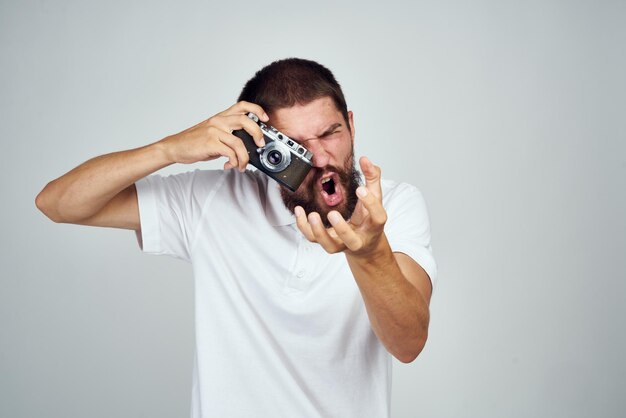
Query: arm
395	289
101	191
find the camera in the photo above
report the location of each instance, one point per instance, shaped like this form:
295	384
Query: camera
282	158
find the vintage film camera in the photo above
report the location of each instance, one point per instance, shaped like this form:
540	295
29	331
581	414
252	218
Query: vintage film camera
282	158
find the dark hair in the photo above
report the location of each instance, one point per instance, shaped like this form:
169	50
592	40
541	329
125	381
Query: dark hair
292	81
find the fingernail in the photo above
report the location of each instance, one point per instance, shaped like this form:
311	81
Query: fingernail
228	166
334	217
313	220
361	191
298	211
265	116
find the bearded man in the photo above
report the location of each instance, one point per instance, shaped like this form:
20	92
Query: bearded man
301	297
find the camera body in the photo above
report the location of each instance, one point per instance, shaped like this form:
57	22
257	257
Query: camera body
282	158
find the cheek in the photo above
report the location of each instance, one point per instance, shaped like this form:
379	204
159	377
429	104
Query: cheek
342	149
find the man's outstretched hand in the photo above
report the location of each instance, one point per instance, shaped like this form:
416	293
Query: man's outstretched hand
358	236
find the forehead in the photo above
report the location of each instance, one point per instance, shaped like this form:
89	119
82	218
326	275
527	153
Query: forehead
308	120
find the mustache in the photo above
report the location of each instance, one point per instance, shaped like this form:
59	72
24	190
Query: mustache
343	174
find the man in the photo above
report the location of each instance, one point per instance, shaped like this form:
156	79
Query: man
300	298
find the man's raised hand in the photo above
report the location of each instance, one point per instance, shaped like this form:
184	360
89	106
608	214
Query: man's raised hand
213	138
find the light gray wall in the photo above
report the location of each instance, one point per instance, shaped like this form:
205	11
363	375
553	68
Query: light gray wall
507	115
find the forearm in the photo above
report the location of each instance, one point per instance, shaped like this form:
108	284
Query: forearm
85	190
99	192
398	312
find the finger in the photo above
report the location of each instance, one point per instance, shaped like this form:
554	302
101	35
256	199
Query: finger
344	231
372	175
244	107
330	244
359	214
235	122
236	144
373	205
226	151
251	127
303	224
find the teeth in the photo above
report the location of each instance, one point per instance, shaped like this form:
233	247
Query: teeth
326	180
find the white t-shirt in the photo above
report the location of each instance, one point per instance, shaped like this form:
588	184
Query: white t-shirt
281	328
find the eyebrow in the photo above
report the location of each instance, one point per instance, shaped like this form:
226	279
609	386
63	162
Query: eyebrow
324	134
330	130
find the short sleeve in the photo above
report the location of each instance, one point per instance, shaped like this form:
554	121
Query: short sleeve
170	208
408	225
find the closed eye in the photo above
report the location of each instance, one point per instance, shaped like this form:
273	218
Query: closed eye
329	134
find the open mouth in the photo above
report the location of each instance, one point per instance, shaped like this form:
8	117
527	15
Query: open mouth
330	190
328	185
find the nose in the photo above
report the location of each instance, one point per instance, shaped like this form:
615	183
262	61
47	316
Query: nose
320	156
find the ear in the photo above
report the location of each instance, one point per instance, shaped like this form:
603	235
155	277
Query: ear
351	121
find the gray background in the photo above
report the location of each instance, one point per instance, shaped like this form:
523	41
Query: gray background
508	116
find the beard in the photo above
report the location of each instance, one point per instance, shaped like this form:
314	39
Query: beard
308	196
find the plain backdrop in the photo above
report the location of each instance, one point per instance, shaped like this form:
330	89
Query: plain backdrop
509	116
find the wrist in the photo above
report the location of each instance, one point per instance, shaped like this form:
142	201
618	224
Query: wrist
378	252
163	152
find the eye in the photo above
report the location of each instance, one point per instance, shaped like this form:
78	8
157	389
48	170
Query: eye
331	135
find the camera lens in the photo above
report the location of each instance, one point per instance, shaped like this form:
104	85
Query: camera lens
274	157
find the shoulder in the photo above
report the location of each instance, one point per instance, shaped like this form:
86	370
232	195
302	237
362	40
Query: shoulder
210	180
202	187
408	224
234	191
250	181
397	193
405	206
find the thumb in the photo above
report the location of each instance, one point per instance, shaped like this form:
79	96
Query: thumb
372	176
